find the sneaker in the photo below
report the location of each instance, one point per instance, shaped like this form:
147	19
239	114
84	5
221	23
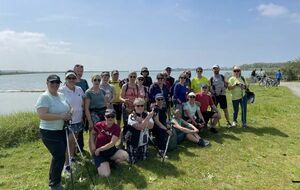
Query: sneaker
229	125
233	124
57	187
213	130
203	143
245	125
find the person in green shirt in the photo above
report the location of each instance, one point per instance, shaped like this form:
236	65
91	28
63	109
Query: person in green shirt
237	86
198	80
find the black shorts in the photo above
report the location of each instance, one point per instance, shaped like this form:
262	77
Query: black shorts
118	110
207	115
104	156
222	100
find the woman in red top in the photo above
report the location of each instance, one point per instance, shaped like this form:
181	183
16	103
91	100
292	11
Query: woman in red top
104	136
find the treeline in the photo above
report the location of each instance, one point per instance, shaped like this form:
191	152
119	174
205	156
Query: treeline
290	69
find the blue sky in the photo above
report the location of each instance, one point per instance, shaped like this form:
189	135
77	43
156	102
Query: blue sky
128	34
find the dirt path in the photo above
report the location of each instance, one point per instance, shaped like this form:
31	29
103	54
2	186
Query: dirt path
293	86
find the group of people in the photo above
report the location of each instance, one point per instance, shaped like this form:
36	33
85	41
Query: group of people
148	109
261	77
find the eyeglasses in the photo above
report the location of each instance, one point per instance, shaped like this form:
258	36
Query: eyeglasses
55	82
192	96
141	79
199	71
81	66
204	87
97	80
160	78
110	116
71	78
236	71
159	99
139	106
133	77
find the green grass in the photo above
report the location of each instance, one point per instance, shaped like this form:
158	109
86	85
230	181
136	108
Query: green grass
265	156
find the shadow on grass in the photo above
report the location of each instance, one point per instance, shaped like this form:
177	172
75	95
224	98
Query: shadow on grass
261	131
220	136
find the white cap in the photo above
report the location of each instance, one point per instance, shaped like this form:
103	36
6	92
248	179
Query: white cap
191	94
216	66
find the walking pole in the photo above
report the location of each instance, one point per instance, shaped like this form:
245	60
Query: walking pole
167	144
68	151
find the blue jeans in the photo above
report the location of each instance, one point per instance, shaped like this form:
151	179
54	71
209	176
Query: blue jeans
56	143
243	103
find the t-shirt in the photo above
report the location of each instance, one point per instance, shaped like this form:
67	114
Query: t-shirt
56	105
109	91
205	101
191	108
104	133
97	100
83	84
237	92
144	134
180	92
117	88
197	83
218	86
75	100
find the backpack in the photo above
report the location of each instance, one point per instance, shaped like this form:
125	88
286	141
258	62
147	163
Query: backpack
212	82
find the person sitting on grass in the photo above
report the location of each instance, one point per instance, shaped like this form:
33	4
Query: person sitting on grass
205	100
104	137
186	130
139	123
192	113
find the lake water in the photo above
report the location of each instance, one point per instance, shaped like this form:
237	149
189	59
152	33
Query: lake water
13	100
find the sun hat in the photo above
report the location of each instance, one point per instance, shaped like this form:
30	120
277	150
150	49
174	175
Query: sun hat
109	112
69	73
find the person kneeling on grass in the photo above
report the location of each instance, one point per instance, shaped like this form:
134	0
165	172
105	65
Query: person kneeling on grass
139	123
104	137
186	130
205	100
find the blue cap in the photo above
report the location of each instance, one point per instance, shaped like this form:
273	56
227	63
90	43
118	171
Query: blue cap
159	95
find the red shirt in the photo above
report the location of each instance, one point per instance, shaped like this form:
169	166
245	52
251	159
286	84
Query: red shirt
205	101
104	133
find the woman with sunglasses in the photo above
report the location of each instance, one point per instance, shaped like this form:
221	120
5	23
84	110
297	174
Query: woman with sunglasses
74	95
159	87
147	79
53	110
103	140
198	80
143	90
180	92
237	86
139	123
192	113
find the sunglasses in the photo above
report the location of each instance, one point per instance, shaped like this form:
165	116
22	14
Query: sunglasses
139	106
160	78
183	77
81	66
55	82
133	77
192	96
236	71
141	79
71	78
110	116
159	99
199	71
205	87
97	80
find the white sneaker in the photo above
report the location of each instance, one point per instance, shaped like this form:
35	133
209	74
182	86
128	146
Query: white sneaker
233	124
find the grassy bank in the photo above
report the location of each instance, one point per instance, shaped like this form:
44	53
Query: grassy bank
264	156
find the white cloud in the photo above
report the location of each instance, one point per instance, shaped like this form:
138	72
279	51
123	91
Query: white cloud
30	42
272	10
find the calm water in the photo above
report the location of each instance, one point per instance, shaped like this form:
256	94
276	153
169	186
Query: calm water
12	100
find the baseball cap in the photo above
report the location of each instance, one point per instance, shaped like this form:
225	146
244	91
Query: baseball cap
191	94
114	72
109	112
53	78
159	95
216	66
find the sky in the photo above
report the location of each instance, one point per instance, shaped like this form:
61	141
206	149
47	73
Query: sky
53	35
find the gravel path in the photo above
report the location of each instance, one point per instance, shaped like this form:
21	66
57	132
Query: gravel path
293	86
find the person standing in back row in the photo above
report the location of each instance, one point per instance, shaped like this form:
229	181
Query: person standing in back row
83	84
198	80
218	86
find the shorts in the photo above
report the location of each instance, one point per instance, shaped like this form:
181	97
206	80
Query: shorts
222	100
104	156
76	127
118	110
207	115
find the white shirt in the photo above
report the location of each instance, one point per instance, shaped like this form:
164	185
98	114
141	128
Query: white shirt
75	99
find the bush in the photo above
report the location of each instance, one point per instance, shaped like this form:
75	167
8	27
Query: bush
291	70
18	128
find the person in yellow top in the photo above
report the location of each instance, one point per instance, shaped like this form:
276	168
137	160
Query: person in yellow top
237	86
117	104
198	80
